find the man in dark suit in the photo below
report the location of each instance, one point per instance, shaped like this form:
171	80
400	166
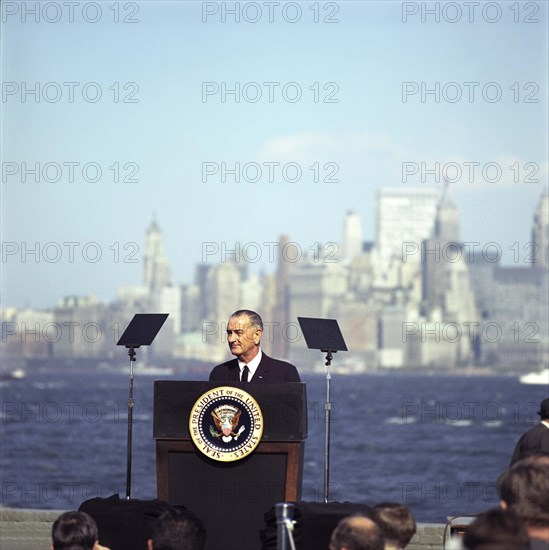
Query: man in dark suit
536	439
244	331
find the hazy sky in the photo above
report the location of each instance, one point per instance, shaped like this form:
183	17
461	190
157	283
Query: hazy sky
141	101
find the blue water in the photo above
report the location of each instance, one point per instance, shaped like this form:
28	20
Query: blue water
436	443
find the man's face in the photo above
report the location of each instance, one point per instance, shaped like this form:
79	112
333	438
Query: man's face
243	338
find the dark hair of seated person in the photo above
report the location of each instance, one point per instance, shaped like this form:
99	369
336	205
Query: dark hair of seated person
74	531
396	522
178	529
496	529
524	488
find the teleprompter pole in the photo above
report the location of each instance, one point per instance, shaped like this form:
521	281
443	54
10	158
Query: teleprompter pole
327	420
131	353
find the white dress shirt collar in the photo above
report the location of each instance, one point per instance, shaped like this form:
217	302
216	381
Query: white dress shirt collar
252	365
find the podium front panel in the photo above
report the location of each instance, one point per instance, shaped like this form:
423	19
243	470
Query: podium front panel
231	498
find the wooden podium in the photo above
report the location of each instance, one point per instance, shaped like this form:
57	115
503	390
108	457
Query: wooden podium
231	498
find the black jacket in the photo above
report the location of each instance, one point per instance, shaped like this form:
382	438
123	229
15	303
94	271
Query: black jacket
535	440
269	370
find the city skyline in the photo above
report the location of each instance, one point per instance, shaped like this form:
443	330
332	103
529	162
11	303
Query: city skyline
434	301
245	253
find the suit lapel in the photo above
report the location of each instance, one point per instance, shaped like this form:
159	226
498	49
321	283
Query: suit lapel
235	371
262	372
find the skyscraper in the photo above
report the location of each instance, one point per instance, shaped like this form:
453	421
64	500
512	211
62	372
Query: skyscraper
540	232
438	253
156	269
222	291
281	313
447	291
404	216
447	219
352	236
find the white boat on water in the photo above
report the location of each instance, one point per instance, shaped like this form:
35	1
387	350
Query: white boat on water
16	374
540	377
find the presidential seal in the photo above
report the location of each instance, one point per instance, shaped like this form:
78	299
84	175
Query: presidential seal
226	424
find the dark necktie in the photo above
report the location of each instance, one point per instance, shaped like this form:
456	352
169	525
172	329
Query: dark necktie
245	372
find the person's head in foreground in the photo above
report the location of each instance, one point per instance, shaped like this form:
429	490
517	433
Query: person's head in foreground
496	530
356	533
524	489
75	531
177	529
397	524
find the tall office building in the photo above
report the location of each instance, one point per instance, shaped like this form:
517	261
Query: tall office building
352	236
170	302
190	308
438	254
86	334
540	232
518	317
222	291
405	217
447	220
281	310
447	290
251	292
156	274
222	297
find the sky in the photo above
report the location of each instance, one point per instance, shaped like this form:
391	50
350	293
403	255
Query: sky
132	119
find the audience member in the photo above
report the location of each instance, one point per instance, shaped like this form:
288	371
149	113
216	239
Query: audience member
177	529
524	488
356	533
496	529
536	439
75	531
397	524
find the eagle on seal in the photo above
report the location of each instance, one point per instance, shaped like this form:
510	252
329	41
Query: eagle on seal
227	422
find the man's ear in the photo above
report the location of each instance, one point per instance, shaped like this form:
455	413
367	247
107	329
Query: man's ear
503	505
150	544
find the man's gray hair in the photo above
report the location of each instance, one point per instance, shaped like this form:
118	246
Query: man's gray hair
255	319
